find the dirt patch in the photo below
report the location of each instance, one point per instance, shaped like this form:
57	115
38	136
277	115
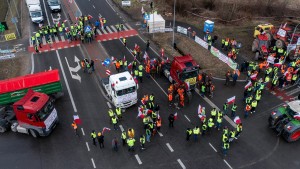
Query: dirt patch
3	9
203	57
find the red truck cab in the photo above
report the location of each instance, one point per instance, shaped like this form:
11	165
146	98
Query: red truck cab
35	114
184	69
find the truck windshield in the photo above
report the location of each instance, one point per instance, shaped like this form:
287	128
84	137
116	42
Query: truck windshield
46	110
54	2
125	91
188	75
36	14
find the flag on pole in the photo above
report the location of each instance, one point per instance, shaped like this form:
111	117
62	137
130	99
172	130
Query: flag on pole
253	76
130	65
105	129
145	55
277	64
124	58
65	21
199	109
158	116
135	46
202	117
76	119
107	72
237	120
175	116
248	85
231	100
140	115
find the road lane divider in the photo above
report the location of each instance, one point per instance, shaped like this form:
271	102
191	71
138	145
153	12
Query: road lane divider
170	148
108	104
138	159
227	164
87	146
94	165
213	147
181	164
66	82
121	128
160	134
82	132
187	118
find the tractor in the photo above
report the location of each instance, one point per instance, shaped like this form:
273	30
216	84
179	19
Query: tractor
261	46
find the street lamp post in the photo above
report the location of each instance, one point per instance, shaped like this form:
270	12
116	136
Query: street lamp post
174	26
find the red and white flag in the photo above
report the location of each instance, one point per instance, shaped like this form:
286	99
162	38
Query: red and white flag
248	85
231	100
112	58
124	58
76	119
130	66
158	116
202	117
140	115
145	55
135	46
286	73
199	109
297	116
175	116
107	72
105	129
277	64
65	21
253	76
237	120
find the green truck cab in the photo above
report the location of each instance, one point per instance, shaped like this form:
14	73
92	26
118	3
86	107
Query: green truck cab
286	121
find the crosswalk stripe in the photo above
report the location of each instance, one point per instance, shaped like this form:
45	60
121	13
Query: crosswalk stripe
125	28
44	40
104	31
98	31
56	39
109	29
62	38
293	91
128	25
113	28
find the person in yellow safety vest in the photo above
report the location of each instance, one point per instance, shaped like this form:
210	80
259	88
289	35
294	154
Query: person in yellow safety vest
141	76
125	65
94	136
110	113
150	105
253	106
85	18
189	132
210	124
196	132
258	97
232	135
136	73
124	41
60	30
142	141
219	122
146	121
267	79
123	137
151	97
233	109
33	39
225	148
114	122
226	44
225	130
280	52
119	112
213	113
274	82
223	43
239	129
154	116
130	143
38	35
294	78
209	38
225	138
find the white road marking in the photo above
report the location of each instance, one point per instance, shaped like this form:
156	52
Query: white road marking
160	134
125	27
128	25
32	64
109	30
111	6
121	127
46	12
87	146
212	147
82	132
187	118
113	28
170	148
93	6
227	164
108	104
93	162
181	164
66	81
138	159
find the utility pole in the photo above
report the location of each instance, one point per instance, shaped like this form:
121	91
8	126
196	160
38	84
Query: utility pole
12	17
16	8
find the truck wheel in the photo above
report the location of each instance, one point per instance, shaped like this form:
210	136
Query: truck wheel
254	45
269	35
294	136
33	133
256	57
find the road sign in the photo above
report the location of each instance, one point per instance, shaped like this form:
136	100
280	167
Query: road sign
87	29
147	16
10	36
106	62
14	20
108	72
126	3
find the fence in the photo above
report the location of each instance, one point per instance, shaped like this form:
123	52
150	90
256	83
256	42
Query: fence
214	51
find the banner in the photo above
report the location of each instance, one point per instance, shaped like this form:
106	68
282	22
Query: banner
182	30
201	42
126	3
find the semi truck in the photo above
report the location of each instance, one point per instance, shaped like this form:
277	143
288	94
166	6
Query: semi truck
27	103
183	70
35	11
285	120
121	89
54	5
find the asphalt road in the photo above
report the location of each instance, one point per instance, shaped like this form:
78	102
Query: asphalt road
258	147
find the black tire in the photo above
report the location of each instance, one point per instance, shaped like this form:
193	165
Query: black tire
289	136
3	129
280	44
33	133
254	45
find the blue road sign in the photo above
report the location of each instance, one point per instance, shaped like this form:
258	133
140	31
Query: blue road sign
87	29
107	62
